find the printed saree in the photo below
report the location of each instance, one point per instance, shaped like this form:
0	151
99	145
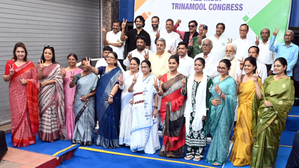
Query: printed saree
269	122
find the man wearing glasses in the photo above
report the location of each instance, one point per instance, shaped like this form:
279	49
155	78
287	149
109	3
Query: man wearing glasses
187	36
287	50
210	59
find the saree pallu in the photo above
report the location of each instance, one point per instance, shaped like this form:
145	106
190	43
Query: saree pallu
269	122
51	105
144	132
172	115
108	114
220	119
84	111
23	104
69	94
241	153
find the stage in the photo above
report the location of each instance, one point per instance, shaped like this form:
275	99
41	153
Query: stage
64	154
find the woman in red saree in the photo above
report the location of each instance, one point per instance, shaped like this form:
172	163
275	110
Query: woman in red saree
51	98
172	111
23	97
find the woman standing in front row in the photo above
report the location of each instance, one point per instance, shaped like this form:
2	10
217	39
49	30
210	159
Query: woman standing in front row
241	153
221	114
23	97
107	102
271	106
125	81
69	93
84	105
144	132
172	111
51	97
197	88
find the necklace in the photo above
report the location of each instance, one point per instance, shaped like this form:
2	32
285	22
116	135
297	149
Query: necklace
173	76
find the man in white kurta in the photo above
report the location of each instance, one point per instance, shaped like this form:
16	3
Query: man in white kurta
186	63
172	38
211	61
219	41
243	43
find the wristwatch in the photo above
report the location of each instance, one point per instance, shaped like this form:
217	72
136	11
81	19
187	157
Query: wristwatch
220	94
155	107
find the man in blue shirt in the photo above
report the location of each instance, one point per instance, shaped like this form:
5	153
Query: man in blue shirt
287	50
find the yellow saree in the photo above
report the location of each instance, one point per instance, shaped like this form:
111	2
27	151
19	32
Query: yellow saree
241	153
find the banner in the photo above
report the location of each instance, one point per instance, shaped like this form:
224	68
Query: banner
258	14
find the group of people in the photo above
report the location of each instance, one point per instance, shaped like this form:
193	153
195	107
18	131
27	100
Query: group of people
193	83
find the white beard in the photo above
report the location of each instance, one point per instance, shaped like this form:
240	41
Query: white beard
230	57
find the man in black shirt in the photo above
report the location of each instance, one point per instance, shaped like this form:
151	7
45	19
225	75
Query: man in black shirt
131	35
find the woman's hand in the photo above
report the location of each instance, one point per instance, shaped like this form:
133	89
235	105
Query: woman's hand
110	100
135	79
23	81
72	75
43	84
120	79
41	65
217	88
156	84
11	70
203	118
131	101
216	102
267	103
256	76
83	98
184	82
238	80
63	72
155	113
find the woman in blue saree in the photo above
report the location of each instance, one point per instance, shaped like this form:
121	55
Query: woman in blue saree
84	105
221	114
108	102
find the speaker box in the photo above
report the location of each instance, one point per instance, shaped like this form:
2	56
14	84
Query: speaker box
3	145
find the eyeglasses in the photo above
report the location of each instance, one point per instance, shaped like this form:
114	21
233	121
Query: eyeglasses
288	35
191	26
48	45
222	68
144	66
206	45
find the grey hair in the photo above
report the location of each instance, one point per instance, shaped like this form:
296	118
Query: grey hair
163	40
291	32
210	41
234	45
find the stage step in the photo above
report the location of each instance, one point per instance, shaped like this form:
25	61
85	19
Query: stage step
25	159
293	119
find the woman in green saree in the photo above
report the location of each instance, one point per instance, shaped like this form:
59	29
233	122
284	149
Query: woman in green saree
271	106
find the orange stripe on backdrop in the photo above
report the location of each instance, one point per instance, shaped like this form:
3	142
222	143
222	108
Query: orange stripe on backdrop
138	4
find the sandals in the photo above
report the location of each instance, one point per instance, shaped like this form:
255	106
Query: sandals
189	157
197	158
215	164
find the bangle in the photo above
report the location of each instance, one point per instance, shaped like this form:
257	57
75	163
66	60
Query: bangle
110	97
86	95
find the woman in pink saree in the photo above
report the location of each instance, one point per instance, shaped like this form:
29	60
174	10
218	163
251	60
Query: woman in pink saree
23	97
51	98
69	93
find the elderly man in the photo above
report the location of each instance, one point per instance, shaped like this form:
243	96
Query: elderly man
153	31
130	36
210	59
219	41
172	38
253	51
112	38
186	63
243	43
159	60
287	50
140	52
230	52
265	55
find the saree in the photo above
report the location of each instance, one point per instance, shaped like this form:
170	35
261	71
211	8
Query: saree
220	119
144	132
126	110
108	114
197	105
84	111
23	104
172	116
51	105
243	139
269	122
69	94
